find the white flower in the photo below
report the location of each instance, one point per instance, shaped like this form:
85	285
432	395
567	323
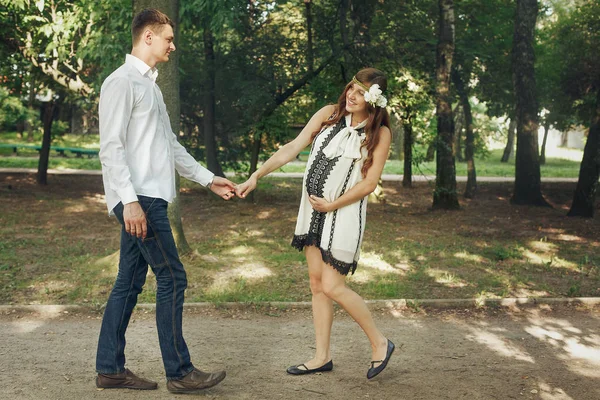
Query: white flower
374	90
381	102
413	87
375	97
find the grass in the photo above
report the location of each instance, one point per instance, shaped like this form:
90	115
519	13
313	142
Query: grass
58	246
561	163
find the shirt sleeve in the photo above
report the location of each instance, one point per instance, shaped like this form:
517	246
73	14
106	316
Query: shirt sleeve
187	166
116	105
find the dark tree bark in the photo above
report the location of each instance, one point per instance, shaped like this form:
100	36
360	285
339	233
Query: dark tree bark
444	195
48	117
430	153
510	142
408	148
589	171
543	149
463	96
168	81
310	58
459	123
527	190
343	19
30	101
210	141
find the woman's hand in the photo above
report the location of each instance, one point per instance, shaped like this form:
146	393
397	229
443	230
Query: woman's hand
320	204
245	188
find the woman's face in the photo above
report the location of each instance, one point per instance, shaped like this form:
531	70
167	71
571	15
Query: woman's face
355	100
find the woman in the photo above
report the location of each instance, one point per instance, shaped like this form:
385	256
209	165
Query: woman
350	144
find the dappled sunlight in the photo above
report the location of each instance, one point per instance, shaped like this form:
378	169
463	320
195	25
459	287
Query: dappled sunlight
96	198
446	278
470	257
570	238
264	215
547	392
498	344
109	264
27	326
240	251
551	260
224	280
76	208
573	343
374	261
527	293
546	247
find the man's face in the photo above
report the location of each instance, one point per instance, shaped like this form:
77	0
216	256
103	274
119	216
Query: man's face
163	43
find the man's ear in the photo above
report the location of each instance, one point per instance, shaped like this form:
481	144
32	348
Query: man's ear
147	37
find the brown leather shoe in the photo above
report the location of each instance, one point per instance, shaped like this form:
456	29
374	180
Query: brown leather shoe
124	380
195	381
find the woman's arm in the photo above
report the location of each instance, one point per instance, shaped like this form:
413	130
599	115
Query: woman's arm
367	185
288	152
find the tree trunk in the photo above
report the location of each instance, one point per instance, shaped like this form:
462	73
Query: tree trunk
444	195
510	143
344	6
42	173
168	81
210	141
459	119
430	153
30	100
543	150
408	148
463	95
589	171
310	59
527	189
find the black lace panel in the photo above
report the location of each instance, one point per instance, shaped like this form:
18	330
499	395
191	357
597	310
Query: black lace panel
315	183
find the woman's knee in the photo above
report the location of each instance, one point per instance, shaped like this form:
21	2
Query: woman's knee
332	289
315	285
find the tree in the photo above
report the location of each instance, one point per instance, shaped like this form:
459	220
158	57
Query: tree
444	195
527	189
589	172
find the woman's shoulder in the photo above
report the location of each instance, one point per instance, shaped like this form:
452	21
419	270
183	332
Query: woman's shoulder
327	112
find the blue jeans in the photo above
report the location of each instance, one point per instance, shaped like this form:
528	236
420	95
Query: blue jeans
159	251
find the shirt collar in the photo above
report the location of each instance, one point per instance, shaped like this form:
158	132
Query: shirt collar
142	67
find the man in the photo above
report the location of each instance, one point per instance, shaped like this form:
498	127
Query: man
139	155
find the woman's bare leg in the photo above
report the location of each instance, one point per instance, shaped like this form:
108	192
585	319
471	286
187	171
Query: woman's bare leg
333	284
322	308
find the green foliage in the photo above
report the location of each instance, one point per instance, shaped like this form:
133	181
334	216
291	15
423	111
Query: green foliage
12	111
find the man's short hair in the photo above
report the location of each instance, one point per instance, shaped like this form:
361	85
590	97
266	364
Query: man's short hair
149	18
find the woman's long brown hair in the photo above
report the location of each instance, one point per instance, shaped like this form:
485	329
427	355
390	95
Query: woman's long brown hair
377	116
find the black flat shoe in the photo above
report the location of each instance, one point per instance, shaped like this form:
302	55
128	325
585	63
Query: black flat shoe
374	371
295	370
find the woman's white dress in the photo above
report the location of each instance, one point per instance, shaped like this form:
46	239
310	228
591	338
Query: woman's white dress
334	167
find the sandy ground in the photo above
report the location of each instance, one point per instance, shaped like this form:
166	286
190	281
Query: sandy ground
533	353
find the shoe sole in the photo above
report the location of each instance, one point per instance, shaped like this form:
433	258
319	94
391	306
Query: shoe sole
197	390
125	387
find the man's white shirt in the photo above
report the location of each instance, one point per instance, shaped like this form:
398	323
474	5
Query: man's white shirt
138	150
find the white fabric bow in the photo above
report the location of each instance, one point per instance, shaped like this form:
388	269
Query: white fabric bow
347	141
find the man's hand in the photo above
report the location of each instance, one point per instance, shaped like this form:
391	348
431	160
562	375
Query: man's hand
245	188
320	204
135	220
223	188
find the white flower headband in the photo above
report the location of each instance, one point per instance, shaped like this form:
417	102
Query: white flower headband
373	95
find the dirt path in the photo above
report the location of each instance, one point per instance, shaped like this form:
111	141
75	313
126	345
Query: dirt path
460	354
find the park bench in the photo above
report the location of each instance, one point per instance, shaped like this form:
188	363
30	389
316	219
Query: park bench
59	149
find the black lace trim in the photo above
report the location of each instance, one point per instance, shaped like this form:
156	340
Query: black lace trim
301	241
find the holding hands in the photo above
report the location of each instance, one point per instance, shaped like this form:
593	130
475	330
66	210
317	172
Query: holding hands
245	188
223	188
